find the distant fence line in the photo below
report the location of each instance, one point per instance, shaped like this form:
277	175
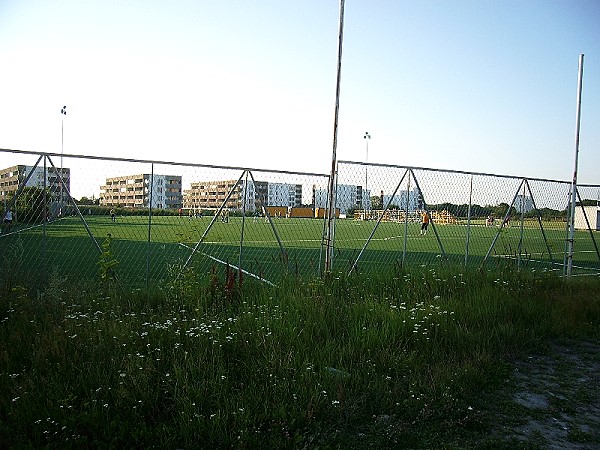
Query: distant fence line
161	218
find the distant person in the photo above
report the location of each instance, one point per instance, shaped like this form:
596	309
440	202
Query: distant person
425	223
112	215
8	219
506	222
489	221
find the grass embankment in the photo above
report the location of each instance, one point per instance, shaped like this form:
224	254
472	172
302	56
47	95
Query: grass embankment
397	361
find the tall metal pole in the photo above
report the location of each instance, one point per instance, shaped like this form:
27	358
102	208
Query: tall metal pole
63	113
332	177
571	237
367	137
45	220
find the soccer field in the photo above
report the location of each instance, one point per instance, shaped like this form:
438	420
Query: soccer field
268	249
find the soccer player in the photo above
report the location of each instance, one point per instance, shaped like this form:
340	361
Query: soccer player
424	223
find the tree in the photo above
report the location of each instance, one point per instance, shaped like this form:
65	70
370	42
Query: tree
501	209
86	201
33	205
587	202
376	202
547	214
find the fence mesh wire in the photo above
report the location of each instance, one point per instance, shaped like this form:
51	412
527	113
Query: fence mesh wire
79	217
473	219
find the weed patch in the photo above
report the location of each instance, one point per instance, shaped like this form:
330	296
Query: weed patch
397	360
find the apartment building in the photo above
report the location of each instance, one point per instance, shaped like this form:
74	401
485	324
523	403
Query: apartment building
348	197
523	203
143	191
284	194
411	200
212	194
37	176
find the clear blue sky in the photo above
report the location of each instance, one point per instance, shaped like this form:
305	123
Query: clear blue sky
487	86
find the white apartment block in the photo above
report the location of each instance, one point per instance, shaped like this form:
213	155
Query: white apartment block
13	177
348	197
405	200
523	203
142	191
284	194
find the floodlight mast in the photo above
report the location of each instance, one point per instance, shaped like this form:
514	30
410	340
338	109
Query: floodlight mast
330	211
573	199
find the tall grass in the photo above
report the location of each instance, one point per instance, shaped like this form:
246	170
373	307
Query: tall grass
395	360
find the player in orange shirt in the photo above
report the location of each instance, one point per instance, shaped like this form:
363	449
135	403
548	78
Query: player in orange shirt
424	223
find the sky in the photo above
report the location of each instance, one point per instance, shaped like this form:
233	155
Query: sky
482	86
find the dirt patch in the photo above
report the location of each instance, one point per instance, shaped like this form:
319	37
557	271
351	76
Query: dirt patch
551	400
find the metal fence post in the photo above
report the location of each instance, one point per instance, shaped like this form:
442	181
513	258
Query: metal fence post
149	247
539	218
437	236
405	240
244	200
44	220
522	226
468	237
504	219
213	220
377	224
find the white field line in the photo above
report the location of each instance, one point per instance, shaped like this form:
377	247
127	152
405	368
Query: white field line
32	227
235	267
258	242
556	263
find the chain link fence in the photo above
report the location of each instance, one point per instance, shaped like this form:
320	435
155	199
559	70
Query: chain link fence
142	222
471	219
